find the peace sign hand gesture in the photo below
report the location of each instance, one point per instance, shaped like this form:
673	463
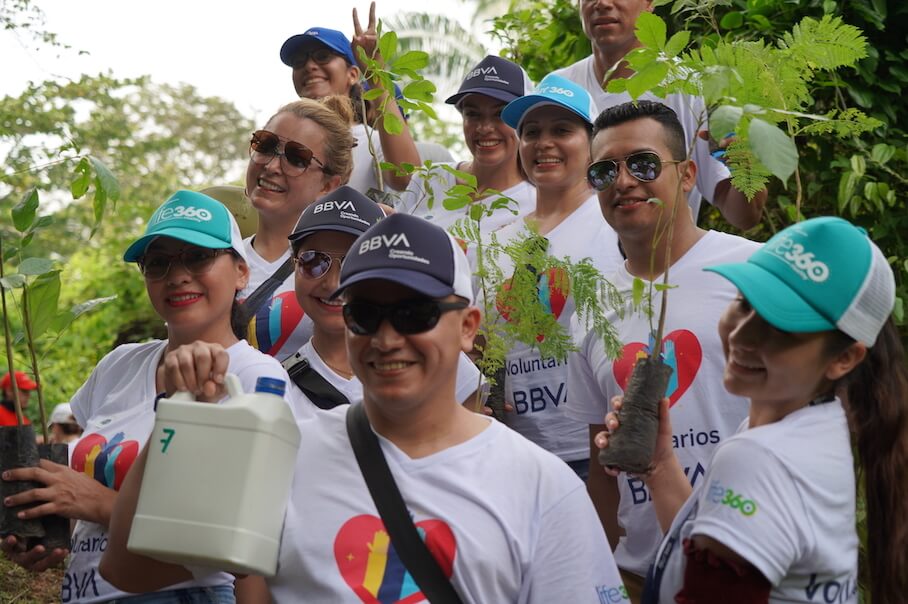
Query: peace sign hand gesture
367	40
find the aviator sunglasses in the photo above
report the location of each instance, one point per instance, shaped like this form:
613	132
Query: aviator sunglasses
296	157
314	264
196	260
407	317
645	166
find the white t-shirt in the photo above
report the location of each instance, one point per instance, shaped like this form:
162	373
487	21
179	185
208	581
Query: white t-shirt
467	378
363	176
279	327
710	171
512	522
783	497
116	408
415	200
536	386
703	413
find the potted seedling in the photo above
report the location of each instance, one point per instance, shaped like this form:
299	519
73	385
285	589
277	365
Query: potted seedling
34	289
758	91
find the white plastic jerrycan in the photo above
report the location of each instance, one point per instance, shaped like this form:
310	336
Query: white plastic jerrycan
217	480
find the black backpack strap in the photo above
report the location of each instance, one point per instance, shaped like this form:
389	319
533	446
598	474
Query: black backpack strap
263	292
413	552
313	384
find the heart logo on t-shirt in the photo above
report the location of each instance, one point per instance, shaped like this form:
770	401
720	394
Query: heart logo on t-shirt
371	567
273	323
553	288
106	462
682	352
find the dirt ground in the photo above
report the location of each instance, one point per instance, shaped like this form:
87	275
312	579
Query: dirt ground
18	586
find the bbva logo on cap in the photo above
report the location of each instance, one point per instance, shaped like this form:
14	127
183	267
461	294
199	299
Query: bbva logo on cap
182	213
799	259
382	241
340	206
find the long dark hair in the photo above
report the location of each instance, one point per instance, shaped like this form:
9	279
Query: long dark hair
876	395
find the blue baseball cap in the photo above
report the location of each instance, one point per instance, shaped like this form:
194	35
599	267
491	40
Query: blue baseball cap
344	209
194	218
818	275
552	90
331	38
412	252
495	77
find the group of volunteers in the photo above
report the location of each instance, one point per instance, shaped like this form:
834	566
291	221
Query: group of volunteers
785	362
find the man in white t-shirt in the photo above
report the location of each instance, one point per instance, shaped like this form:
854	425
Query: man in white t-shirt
638	155
504	520
610	26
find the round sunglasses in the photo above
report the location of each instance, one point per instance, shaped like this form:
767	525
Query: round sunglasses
314	264
296	157
645	166
319	54
407	317
196	260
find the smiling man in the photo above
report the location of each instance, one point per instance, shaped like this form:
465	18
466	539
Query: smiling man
640	170
610	26
504	520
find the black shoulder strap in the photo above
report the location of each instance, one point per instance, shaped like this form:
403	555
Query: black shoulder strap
413	552
263	292
313	384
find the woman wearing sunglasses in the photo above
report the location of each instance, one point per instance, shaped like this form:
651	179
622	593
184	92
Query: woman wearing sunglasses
488	87
554	125
192	259
302	153
320	241
324	63
811	343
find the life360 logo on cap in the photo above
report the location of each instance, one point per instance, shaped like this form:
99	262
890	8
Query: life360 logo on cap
184	213
800	260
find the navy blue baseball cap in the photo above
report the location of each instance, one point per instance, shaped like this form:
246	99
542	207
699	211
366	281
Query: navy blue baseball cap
331	38
344	209
412	252
495	77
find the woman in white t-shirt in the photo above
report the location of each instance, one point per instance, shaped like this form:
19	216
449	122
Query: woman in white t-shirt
325	63
193	261
811	342
483	94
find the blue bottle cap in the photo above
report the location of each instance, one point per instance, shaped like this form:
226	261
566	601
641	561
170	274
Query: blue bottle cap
271	386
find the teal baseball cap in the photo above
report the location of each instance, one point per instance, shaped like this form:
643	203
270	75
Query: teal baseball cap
818	275
194	218
552	90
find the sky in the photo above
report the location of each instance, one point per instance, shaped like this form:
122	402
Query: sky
225	48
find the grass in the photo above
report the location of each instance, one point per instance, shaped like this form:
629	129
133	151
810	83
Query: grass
18	586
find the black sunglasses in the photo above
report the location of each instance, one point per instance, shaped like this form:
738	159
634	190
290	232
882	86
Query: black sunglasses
314	264
196	260
645	166
407	317
296	157
320	54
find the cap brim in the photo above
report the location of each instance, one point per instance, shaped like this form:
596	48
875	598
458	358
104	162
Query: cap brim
419	282
773	299
514	112
495	93
137	249
303	233
294	43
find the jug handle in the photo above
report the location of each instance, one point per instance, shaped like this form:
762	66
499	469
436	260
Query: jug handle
233	385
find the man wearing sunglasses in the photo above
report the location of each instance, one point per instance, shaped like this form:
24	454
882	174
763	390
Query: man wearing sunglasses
611	27
641	172
505	520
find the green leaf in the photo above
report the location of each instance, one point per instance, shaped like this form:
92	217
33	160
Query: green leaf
647	79
427	109
477	211
460	174
882	153
724	120
732	20
392	124
65	317
105	180
457	190
455	203
387	45
373	93
858	165
773	148
829	6
43	295
848	182
651	30
899	310
24	211
677	43
13	281
35	266
637	291
413	59
422	90
82	180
